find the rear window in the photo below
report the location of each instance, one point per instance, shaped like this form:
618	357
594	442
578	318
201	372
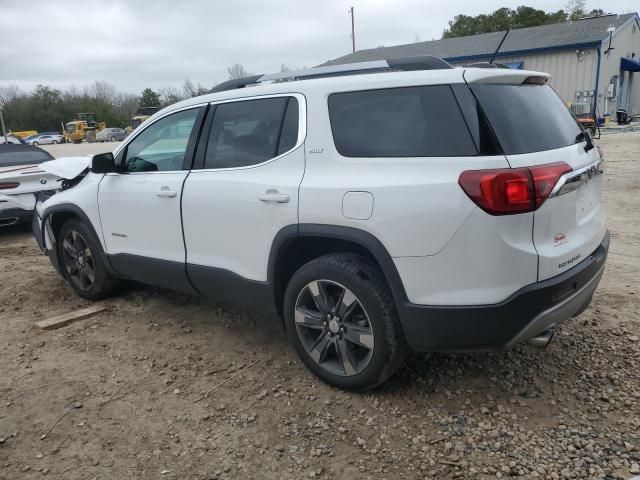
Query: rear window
250	132
399	122
527	118
18	155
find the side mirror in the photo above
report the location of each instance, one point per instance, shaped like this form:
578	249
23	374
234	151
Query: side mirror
103	163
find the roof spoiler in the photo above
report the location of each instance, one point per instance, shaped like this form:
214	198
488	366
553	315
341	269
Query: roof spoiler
508	76
426	62
486	65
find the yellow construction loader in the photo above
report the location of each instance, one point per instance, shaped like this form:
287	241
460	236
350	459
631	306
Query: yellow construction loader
84	126
141	115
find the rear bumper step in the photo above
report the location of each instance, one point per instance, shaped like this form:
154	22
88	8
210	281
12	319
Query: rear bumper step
525	315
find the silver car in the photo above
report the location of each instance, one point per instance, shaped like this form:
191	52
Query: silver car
45	140
111	135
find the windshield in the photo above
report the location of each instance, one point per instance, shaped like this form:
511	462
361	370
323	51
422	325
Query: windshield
70	127
527	118
135	122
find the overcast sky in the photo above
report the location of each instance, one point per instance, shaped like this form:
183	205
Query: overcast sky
135	44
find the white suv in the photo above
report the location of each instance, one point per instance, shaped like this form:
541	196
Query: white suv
413	207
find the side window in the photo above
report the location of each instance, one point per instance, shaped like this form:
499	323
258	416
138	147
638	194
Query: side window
250	132
162	145
399	122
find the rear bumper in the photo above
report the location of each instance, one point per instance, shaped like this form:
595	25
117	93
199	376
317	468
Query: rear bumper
12	216
528	312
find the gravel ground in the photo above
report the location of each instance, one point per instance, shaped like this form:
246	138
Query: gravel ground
120	395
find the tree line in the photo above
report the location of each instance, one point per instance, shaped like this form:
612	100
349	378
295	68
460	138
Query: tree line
507	18
47	109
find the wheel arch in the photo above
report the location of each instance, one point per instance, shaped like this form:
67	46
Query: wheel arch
55	216
296	245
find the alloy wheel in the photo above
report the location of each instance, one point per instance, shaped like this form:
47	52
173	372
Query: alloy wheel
78	260
334	327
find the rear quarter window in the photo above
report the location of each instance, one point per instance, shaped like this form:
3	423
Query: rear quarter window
527	118
399	122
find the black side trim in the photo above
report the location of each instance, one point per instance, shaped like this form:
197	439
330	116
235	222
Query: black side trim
75	210
224	286
151	271
203	143
194	138
478	327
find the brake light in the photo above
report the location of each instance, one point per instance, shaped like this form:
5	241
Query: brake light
545	178
9	185
508	191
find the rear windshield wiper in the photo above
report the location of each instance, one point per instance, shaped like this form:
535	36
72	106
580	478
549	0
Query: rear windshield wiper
585	136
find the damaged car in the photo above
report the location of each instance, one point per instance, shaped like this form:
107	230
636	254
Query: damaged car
378	208
21	179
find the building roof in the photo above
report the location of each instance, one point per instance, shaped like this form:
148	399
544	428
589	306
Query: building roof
584	32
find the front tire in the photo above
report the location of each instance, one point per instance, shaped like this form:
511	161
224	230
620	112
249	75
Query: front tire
113	139
35	144
340	317
82	262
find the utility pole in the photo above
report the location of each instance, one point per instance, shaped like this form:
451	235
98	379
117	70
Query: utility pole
4	130
353	31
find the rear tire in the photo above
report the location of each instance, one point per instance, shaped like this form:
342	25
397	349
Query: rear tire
82	262
113	139
340	317
35	144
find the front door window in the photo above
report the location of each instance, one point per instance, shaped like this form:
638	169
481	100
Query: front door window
161	147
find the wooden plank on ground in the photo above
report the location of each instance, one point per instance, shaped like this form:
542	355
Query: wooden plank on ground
67	318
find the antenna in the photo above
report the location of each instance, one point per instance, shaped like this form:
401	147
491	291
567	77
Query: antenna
353	31
493	57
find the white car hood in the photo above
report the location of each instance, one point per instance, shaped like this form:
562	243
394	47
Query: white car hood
67	167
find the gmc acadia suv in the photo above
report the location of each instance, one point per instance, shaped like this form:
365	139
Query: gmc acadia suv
378	208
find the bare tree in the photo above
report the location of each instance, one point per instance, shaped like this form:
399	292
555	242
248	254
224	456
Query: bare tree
575	9
169	96
10	93
188	88
237	71
101	90
127	104
200	90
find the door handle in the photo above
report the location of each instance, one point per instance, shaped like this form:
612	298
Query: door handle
167	193
273	196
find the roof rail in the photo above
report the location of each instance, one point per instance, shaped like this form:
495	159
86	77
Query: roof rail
425	62
236	83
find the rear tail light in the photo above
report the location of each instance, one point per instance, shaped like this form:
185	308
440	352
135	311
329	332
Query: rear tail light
9	185
507	191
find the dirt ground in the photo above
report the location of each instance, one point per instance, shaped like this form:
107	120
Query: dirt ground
120	395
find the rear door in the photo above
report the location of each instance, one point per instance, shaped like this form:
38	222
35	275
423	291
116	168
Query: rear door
534	127
243	191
